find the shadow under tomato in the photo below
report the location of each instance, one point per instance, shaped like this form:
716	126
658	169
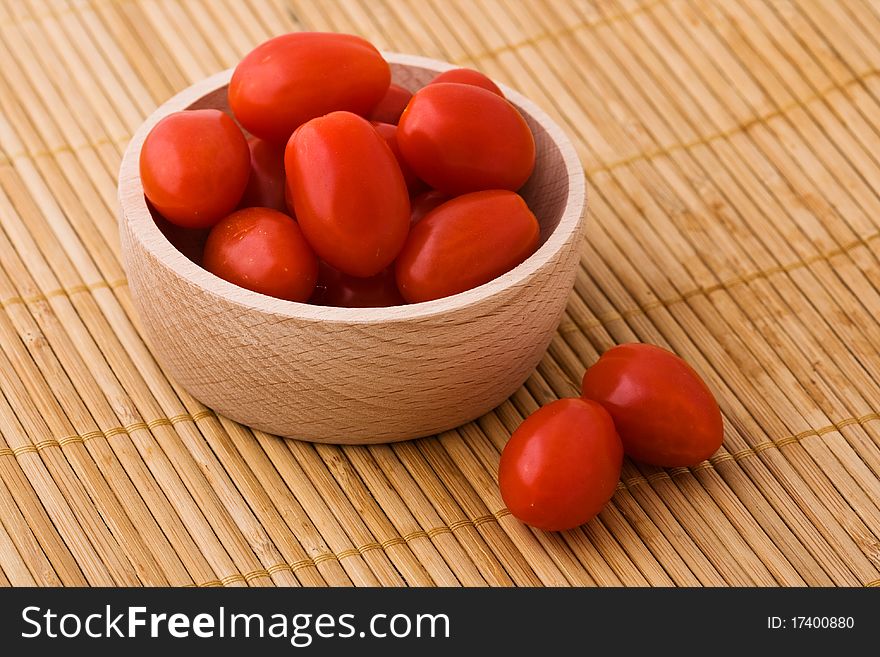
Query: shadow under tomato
189	241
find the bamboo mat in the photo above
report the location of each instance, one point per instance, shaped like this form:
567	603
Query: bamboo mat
733	157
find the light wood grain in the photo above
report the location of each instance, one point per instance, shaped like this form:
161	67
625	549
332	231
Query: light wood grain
345	375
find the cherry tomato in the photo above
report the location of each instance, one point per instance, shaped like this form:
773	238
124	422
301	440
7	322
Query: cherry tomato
265	188
296	77
664	412
468	76
459	138
464	243
561	466
288	198
425	202
348	192
262	250
194	166
343	291
389	109
389	134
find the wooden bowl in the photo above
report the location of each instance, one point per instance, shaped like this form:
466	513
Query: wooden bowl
344	375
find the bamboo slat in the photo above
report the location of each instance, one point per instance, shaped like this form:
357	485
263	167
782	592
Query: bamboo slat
731	151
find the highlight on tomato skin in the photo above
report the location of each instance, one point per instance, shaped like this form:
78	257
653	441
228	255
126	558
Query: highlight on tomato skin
262	250
460	138
194	166
349	194
468	76
561	465
664	412
296	77
465	242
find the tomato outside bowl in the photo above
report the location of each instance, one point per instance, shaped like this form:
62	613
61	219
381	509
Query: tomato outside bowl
355	375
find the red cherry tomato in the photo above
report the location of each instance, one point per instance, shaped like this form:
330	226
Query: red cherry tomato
265	188
664	412
425	202
194	166
343	291
389	134
459	138
348	192
389	109
561	466
468	76
262	250
296	77
288	198
464	243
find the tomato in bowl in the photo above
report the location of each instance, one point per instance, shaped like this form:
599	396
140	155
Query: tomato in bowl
355	375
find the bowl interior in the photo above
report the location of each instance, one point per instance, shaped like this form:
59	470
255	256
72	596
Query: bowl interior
546	191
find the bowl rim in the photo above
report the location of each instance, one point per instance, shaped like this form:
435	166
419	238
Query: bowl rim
135	214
